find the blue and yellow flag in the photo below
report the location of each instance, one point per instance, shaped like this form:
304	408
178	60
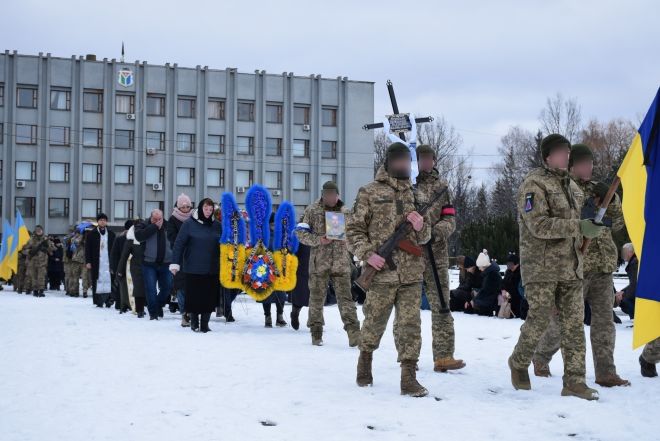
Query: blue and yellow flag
7	238
12	257
640	178
21	231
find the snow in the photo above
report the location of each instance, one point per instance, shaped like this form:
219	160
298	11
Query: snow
72	371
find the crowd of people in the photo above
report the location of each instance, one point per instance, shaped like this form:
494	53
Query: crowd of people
155	262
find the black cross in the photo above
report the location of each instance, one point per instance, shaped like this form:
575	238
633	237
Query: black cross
401	119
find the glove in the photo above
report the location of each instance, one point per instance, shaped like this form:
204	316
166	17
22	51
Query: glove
590	229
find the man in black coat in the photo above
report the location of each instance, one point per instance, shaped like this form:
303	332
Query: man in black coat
511	283
626	297
93	261
120	287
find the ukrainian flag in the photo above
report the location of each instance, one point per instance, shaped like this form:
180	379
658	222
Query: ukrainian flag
640	178
13	251
21	231
7	239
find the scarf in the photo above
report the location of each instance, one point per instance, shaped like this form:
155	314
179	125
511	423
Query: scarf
180	215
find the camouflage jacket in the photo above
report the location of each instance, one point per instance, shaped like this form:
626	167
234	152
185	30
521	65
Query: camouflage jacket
549	207
441	216
379	208
602	254
38	248
332	257
79	251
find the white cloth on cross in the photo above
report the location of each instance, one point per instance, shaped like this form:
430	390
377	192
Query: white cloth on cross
412	144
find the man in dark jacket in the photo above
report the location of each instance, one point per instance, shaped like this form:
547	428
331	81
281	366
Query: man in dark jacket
485	300
626	297
157	258
122	302
511	283
469	280
98	246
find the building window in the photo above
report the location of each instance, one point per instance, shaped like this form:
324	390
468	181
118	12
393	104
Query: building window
124	103
244	178
60	99
155	105
245	111
58	207
273	179
216	144
185	142
2	133
93	137
26	97
215	177
150	206
329	117
300	181
245	145
154	175
156	140
274	113
329	149
26	206
1	169
90	207
185	177
26	171
123	210
123	174
59	172
59	135
26	134
2	95
301	148
186	107
274	146
124	139
216	109
93	101
325	177
301	115
92	174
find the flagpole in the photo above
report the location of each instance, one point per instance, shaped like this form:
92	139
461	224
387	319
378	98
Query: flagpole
602	209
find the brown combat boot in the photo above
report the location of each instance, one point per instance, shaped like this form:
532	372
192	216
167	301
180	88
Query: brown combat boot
353	337
579	390
519	378
611	380
541	369
364	376
448	364
409	384
317	335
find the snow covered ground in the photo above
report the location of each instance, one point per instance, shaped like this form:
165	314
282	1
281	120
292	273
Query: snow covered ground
74	372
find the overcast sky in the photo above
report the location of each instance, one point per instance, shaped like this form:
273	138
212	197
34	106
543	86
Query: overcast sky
484	65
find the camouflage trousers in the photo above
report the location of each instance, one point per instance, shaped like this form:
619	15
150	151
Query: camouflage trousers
543	298
37	275
86	279
598	291
21	280
651	351
73	279
318	289
405	299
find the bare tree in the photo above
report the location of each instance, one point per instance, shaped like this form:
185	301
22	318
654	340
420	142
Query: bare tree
444	139
609	143
563	116
381	142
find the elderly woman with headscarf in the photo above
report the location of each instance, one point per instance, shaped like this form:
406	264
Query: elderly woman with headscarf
181	213
196	254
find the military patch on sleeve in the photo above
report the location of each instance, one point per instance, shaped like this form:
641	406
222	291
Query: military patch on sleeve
529	202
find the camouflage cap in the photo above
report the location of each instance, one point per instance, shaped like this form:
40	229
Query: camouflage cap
330	185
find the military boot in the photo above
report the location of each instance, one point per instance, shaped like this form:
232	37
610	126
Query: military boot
204	324
519	378
317	335
364	376
611	380
579	390
353	337
295	314
409	384
541	369
448	364
647	369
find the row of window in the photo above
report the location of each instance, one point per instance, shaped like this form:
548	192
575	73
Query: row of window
185	142
60	99
185	176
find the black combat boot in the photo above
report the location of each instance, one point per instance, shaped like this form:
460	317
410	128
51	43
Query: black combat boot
204	325
648	369
295	317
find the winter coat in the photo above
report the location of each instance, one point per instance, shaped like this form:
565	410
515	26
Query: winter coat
115	254
132	247
197	247
631	270
491	287
38	249
300	294
549	207
55	262
333	257
155	243
380	207
92	249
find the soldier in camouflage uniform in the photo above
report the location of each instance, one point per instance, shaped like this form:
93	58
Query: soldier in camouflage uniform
600	261
329	260
77	266
379	208
21	281
443	224
549	207
66	259
39	247
649	358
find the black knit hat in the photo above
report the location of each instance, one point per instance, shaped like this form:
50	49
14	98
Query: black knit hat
513	258
469	262
551	142
395	151
578	153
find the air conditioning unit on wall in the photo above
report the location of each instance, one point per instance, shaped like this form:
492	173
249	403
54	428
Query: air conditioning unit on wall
306	127
240	189
130	116
276	192
157	187
20	184
151	151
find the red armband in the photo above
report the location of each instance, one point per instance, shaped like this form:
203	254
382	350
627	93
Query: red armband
448	210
